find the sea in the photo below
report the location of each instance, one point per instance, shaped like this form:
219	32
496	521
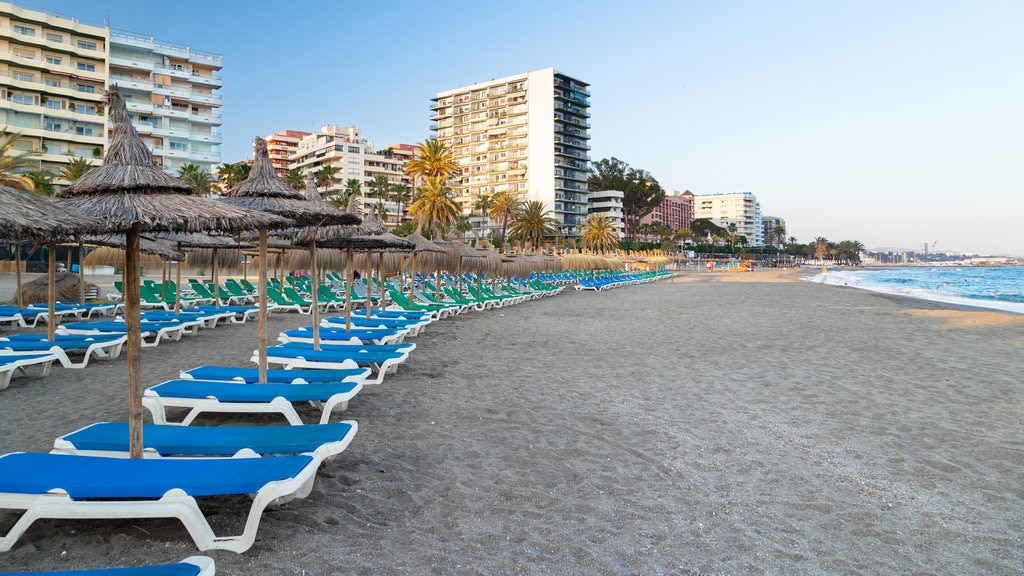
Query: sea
996	288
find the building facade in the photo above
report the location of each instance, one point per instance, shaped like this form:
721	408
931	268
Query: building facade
353	158
527	133
281	146
675	211
768	226
740	208
55	71
608	203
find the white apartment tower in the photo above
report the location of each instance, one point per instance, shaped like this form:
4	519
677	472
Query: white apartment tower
527	133
741	208
55	70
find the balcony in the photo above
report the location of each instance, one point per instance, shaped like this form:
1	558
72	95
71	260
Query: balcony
125	62
211	99
214	81
206	118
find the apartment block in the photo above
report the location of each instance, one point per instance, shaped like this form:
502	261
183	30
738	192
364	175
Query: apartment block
353	157
768	225
608	203
740	208
281	146
675	211
55	71
527	133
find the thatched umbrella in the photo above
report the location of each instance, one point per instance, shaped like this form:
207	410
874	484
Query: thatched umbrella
208	246
30	217
132	194
263	190
424	252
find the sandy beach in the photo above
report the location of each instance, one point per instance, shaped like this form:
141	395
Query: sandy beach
716	423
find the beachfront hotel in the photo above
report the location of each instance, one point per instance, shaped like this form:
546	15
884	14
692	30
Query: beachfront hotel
281	146
527	133
353	158
741	208
54	73
675	211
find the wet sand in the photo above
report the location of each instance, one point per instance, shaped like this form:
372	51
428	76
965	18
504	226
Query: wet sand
719	423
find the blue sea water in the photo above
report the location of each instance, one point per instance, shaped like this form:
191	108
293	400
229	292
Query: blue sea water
998	288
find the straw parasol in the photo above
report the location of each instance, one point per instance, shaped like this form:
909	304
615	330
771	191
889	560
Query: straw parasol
424	252
263	190
133	195
207	246
30	217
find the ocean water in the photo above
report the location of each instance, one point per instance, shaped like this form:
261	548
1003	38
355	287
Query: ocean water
998	288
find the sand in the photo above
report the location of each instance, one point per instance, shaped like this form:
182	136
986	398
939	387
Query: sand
720	423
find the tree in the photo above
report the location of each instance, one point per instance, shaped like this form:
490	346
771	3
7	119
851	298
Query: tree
14	162
599	233
433	207
294	179
505	207
704	228
74	169
379	187
641	193
683	235
532	225
382	210
197	177
732	233
432	159
777	235
40	182
353	187
230	175
483	204
400	194
326	177
820	248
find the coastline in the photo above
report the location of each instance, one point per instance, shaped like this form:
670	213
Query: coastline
716	423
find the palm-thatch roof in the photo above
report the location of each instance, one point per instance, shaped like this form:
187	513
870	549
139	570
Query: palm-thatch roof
159	248
25	216
368	235
263	190
130	189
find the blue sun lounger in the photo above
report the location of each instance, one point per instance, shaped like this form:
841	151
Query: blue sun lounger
162	440
152	332
358	335
383	358
11	363
359	321
66	486
239	313
201	396
98	345
191	566
251	375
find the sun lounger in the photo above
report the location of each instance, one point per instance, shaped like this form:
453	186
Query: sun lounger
89	345
200	318
164	440
152	332
201	396
251	375
359	321
12	315
93	308
64	486
358	335
383	358
191	566
239	314
11	363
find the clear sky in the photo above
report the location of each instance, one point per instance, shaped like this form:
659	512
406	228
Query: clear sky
889	122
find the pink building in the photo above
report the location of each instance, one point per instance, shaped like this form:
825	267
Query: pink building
674	211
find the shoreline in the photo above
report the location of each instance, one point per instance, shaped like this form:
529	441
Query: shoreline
716	423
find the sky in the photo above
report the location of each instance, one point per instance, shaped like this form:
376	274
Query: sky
889	122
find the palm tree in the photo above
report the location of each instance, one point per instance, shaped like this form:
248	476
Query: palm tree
74	169
326	177
732	230
382	210
294	179
483	204
433	206
533	225
599	233
197	177
40	182
14	162
432	158
400	194
505	207
820	248
229	175
379	187
683	235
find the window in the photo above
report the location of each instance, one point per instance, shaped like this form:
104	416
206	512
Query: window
52	82
24	30
86	67
55	104
53	126
353	171
25	54
23	76
353	160
86	45
87	89
83	131
23	99
83	152
183	146
85	109
51	37
53	60
354	149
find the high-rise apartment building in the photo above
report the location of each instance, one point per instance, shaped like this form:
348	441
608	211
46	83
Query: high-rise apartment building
281	146
740	208
527	133
608	203
352	157
55	70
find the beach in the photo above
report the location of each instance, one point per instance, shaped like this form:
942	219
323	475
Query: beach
715	423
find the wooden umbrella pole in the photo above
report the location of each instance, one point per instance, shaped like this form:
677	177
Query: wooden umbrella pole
412	279
177	287
368	276
213	278
261	285
51	291
81	274
17	274
314	310
350	274
280	283
380	282
131	319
